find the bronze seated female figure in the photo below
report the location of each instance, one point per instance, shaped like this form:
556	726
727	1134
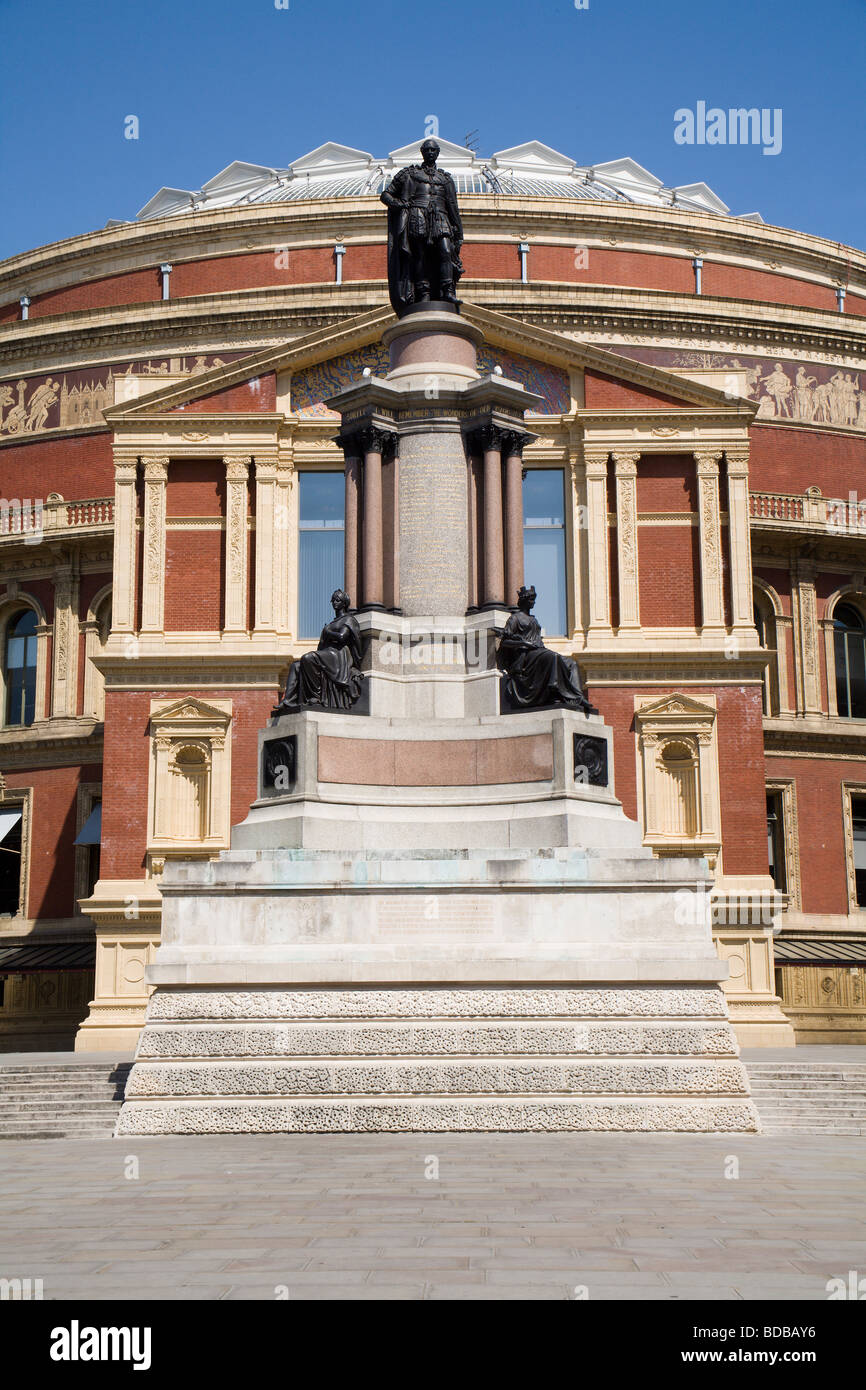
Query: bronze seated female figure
536	676
330	677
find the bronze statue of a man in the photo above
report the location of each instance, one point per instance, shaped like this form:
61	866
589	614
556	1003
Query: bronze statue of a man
425	233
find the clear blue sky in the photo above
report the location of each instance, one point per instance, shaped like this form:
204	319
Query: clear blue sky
217	80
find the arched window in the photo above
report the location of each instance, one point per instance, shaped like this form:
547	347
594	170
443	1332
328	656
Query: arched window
850	653
765	622
20	668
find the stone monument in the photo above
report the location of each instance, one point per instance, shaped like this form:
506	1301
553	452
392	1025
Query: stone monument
436	915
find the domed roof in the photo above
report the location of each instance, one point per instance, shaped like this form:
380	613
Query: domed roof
532	170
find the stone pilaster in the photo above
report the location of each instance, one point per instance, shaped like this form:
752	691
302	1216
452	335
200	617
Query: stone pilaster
739	545
712	592
264	616
153	577
237	543
285	556
806	658
626	539
125	544
597	544
64	692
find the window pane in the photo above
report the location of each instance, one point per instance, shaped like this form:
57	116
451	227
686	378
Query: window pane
858	816
10	867
322	501
544	497
20	669
544	561
321	572
544	546
776	840
856	674
321	561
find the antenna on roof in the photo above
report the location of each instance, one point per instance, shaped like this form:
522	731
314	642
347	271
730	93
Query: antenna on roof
471	141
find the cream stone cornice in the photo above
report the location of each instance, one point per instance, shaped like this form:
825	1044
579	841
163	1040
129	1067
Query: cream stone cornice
260	320
226	231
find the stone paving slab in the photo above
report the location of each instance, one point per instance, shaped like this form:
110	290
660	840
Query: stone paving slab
510	1216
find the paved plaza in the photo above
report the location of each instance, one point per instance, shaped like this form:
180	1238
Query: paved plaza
456	1216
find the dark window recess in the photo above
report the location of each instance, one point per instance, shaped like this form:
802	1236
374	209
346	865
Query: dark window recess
590	760
849	640
279	764
776	841
2	989
858	818
11	820
20	669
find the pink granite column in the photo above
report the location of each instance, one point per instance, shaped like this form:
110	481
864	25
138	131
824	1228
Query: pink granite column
515	441
375	442
490	441
352	452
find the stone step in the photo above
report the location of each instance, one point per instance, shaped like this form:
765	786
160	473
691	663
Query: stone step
543	1075
810	1098
439	1037
55	1101
370	1114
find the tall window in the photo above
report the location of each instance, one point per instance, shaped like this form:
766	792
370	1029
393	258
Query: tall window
20	668
11	824
765	623
858	825
850	650
544	546
321	562
776	841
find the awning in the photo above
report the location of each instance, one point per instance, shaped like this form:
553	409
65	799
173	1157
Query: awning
8	820
91	830
820	952
28	959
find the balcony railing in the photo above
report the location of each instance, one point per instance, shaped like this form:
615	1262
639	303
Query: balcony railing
30	519
808	511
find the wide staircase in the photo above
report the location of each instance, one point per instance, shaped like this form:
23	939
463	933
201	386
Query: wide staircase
60	1099
809	1090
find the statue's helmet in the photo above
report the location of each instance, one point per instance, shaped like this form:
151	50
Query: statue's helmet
524	592
340	599
431	145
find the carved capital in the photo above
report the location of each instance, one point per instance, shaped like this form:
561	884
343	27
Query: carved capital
374	439
514	442
707	462
625	462
596	464
738	463
155	468
237	469
488	437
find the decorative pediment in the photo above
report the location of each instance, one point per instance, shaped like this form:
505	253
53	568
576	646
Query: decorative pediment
675	706
238	387
189	710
